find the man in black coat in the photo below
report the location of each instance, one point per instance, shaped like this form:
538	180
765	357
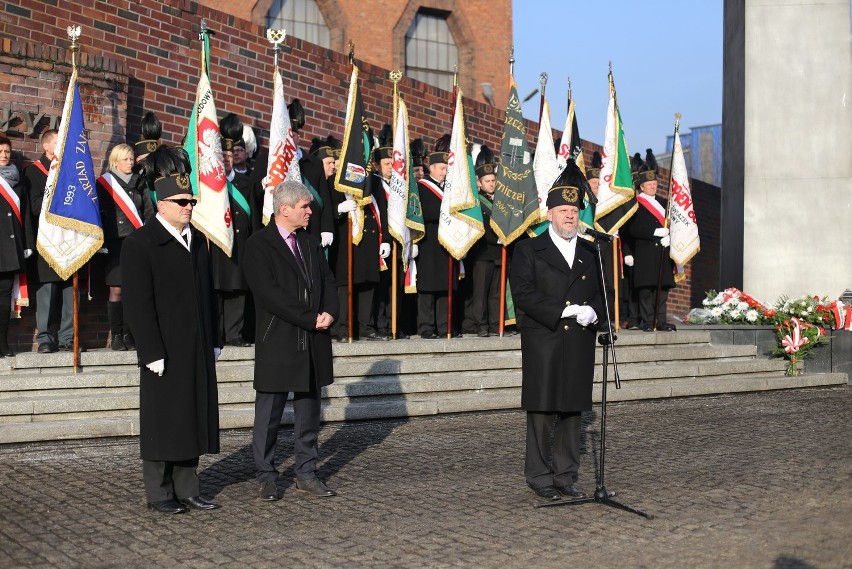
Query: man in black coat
54	297
557	290
295	302
649	235
170	307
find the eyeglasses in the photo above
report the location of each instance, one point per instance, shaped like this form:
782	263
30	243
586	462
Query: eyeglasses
182	202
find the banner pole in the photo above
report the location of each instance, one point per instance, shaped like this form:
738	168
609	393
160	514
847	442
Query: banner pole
665	224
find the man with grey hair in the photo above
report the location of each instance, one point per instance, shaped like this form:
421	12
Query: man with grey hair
295	299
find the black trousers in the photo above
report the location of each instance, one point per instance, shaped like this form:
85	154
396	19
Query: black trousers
364	310
232	310
553	448
647	295
167	480
432	313
268	408
482	307
7	280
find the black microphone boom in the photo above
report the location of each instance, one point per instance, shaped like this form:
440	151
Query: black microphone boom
596	234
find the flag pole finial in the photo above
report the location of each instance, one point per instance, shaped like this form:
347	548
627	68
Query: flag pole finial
677	122
512	60
351	52
73	35
276	38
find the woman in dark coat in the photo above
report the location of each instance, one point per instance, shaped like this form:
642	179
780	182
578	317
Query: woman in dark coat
125	205
17	240
171	310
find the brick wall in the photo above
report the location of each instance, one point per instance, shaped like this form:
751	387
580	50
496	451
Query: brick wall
144	55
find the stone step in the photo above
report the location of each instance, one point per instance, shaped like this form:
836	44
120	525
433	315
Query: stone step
241	416
104	359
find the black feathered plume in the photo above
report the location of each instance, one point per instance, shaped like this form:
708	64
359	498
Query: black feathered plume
597	160
152	129
297	114
650	161
443	144
231	127
165	161
485	156
386	136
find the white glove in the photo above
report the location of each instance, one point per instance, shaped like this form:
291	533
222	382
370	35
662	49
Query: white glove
661	232
216	353
326	238
415	250
157	367
499	241
665	241
586	316
347	206
628	260
103	250
28	253
571	310
384	250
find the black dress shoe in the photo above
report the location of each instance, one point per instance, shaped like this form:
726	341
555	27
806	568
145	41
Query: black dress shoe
402	336
199	503
6	351
548	492
69	347
315	487
168	507
375	336
46	349
570	491
667	328
429	336
483	334
269	491
647	328
238	344
129	342
118	344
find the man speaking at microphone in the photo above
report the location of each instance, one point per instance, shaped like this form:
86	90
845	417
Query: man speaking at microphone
557	291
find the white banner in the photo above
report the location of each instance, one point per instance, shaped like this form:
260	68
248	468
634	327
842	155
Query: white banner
283	163
398	197
545	165
683	225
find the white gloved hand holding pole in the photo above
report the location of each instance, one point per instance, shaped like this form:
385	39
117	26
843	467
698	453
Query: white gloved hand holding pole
157	367
326	238
384	250
347	206
661	232
628	260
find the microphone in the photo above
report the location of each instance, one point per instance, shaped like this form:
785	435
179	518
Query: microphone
583	230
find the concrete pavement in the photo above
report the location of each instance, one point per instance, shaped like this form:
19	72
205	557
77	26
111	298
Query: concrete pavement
745	480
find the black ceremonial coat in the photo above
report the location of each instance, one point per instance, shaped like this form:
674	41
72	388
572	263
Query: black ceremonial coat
35	181
647	248
432	258
171	310
227	274
365	257
558	355
487	248
15	236
115	223
287	302
313	176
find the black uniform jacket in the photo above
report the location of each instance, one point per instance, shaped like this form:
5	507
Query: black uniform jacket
227	274
487	248
35	181
647	250
171	310
558	354
115	223
365	256
15	236
432	258
288	347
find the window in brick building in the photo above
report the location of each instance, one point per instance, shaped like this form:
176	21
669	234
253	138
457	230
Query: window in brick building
301	18
430	50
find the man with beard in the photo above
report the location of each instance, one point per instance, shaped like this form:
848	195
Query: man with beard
557	290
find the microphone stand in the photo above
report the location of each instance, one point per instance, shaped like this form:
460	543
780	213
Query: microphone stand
607	340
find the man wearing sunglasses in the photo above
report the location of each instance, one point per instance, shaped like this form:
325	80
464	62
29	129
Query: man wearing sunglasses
171	309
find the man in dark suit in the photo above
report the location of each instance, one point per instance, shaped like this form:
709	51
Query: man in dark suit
170	308
556	287
295	301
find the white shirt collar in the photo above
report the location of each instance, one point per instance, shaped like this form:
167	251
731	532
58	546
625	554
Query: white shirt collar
178	235
568	247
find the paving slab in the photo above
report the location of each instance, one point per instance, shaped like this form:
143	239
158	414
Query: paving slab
758	480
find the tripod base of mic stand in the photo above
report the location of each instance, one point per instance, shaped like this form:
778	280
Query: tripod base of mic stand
601	496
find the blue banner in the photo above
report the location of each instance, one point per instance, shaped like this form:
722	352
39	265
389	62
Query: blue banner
74	201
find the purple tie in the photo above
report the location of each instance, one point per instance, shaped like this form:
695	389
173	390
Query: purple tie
294	247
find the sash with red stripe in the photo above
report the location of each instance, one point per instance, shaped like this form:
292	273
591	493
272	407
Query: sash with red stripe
41	167
20	290
121	199
434	188
653	207
374	209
